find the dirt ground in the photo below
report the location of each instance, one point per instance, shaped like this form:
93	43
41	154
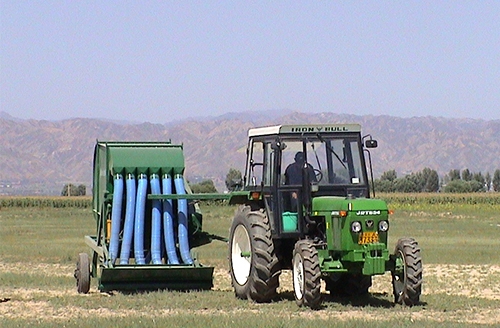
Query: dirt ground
468	281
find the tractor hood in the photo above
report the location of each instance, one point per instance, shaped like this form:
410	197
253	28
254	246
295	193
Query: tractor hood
362	206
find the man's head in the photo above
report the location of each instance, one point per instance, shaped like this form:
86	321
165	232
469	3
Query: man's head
299	157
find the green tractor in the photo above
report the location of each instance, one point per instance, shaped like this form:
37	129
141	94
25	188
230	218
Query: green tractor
305	205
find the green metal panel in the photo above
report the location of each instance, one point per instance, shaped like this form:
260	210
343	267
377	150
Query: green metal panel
344	252
375	264
206	196
339	235
148	160
333	203
112	157
152	277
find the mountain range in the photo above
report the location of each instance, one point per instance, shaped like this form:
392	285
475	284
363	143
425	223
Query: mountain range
40	157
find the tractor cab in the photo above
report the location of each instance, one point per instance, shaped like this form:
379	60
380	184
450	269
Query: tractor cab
290	165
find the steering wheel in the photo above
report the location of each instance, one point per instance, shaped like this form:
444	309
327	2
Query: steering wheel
318	174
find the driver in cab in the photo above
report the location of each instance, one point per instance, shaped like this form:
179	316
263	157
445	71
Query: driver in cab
293	175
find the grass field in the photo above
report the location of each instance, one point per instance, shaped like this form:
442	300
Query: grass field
459	241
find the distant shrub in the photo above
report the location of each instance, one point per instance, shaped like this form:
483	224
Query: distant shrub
404	199
51	202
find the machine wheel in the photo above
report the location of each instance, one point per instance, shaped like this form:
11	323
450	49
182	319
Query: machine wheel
253	263
349	285
306	275
82	273
407	275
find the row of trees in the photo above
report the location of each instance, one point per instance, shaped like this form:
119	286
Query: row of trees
72	190
428	180
206	186
233	182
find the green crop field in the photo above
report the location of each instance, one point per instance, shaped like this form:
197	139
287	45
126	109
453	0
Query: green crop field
459	236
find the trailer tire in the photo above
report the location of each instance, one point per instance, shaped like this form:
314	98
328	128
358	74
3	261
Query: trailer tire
253	263
407	275
82	273
306	275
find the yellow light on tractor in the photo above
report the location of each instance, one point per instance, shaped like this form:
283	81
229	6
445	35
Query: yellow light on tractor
108	229
341	214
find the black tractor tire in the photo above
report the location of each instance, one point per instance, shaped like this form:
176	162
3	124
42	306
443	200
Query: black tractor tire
253	263
306	275
82	273
407	276
349	284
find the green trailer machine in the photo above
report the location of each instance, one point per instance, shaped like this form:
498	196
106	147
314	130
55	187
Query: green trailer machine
146	223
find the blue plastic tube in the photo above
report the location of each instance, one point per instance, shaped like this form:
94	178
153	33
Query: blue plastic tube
116	217
156	220
168	221
182	212
128	227
140	208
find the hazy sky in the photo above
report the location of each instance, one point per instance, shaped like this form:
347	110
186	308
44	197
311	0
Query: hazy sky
159	61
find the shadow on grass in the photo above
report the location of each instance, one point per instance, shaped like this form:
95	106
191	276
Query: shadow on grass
376	300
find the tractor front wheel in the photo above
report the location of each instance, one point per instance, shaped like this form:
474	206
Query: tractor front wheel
253	263
306	275
407	274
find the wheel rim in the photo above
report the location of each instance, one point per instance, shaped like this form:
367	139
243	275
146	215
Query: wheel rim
298	276
399	279
241	255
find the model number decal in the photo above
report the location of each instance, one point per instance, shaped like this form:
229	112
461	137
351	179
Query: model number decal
361	213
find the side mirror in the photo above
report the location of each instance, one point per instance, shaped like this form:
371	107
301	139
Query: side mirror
278	145
371	143
236	184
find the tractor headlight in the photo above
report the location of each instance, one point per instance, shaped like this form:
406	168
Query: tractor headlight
356	226
383	226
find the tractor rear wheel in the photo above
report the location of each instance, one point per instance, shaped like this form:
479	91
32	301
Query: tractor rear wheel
407	275
82	273
253	263
306	275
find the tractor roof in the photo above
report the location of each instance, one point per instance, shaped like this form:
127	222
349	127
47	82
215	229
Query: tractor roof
304	129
